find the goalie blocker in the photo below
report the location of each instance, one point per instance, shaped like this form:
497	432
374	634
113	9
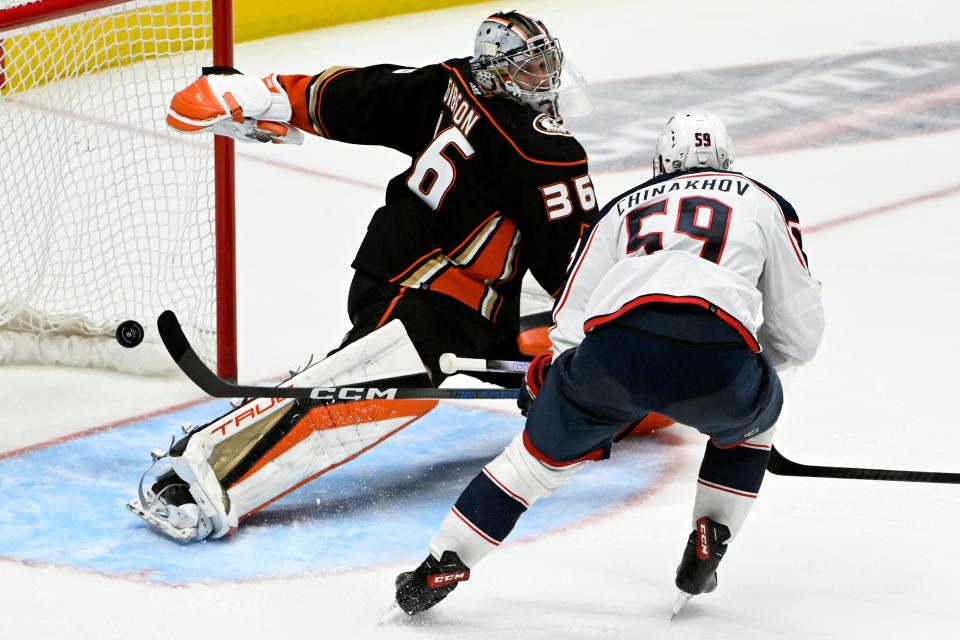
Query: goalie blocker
267	447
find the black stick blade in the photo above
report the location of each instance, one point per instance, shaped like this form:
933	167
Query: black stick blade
781	466
171	333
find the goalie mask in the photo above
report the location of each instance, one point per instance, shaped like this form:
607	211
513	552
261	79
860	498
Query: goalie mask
515	55
693	141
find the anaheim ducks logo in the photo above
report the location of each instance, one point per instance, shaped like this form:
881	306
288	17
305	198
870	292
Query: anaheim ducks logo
550	126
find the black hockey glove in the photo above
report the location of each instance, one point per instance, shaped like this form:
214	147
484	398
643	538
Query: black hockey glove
533	380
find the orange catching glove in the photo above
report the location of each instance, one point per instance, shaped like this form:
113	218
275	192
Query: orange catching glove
226	102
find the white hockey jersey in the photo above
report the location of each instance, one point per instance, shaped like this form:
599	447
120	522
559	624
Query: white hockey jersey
716	239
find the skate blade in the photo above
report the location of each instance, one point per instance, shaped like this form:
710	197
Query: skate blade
678	604
392	614
161	525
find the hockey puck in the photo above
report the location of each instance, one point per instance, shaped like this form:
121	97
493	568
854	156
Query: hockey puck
129	333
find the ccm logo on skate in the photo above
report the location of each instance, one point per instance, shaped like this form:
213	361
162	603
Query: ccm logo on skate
703	549
351	393
444	579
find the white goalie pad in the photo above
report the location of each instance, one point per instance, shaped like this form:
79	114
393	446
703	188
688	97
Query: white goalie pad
325	437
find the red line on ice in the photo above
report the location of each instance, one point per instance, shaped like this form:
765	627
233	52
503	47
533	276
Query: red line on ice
104	427
790	138
899	204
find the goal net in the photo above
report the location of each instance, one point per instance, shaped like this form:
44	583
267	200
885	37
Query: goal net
107	216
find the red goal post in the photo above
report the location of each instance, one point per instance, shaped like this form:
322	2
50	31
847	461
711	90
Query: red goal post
106	215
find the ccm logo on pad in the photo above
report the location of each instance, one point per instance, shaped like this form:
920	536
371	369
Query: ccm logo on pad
443	579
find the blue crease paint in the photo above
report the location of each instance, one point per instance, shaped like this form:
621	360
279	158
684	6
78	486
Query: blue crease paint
64	504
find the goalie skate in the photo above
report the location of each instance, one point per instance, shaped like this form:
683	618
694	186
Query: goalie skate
171	512
157	518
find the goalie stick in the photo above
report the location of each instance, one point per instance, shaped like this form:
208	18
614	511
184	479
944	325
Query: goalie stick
781	466
171	333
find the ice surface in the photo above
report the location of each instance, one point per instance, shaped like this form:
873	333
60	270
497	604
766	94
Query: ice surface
818	558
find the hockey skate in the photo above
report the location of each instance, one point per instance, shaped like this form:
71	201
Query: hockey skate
428	584
697	572
168	506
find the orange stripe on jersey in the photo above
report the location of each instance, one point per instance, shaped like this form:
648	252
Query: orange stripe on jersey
419	261
472	234
469	94
489	263
472	284
489	256
497	307
334	416
456	284
297	88
393	303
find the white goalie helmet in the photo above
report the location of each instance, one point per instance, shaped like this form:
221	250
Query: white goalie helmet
693	141
516	55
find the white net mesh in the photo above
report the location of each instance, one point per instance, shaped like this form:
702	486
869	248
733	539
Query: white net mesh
105	215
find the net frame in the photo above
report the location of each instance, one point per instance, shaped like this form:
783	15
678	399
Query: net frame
22	14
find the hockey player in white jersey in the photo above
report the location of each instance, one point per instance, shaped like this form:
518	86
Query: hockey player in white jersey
687	298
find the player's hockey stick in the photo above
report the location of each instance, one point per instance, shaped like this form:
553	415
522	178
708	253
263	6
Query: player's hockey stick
783	467
778	464
171	333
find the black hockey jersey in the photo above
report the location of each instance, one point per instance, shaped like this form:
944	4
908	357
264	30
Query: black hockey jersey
494	188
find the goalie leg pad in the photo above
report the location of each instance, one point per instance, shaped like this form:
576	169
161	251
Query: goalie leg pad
267	447
311	443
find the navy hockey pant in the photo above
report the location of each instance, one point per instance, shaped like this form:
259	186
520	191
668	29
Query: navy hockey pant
683	364
619	373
